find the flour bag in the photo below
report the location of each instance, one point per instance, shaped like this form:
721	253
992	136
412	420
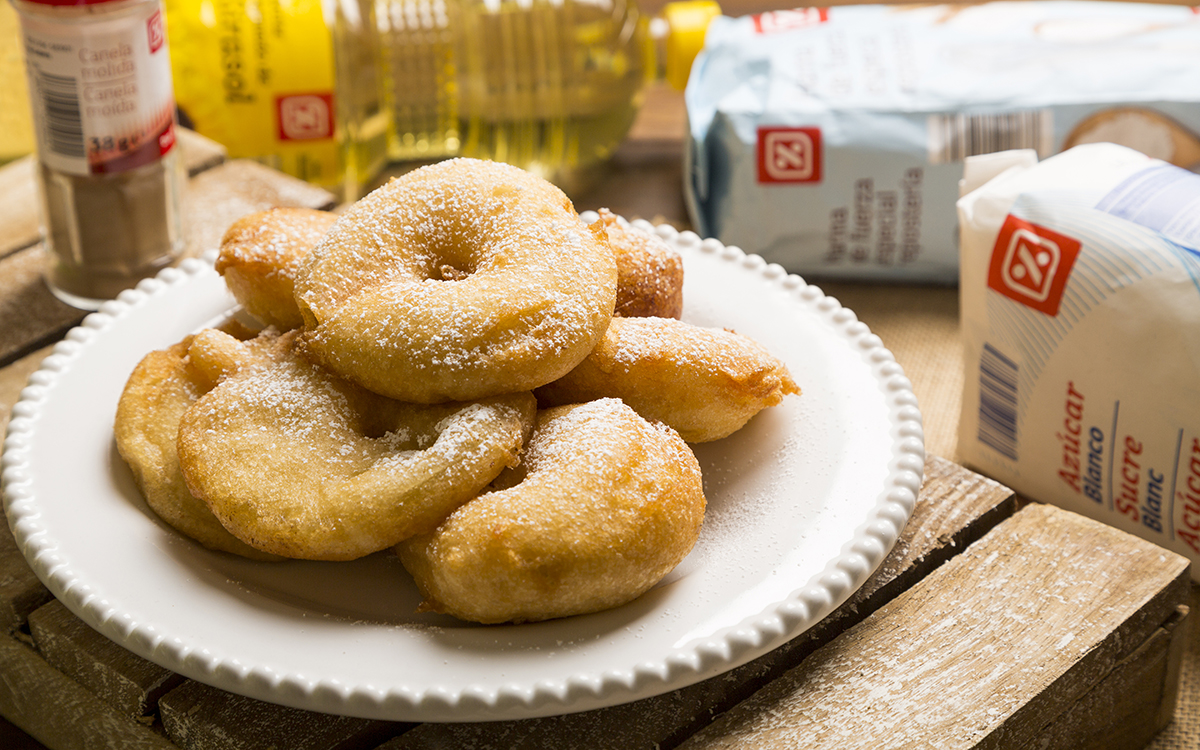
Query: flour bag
831	140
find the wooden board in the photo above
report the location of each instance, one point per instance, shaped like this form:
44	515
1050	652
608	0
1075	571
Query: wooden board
128	683
18	205
199	717
988	651
59	712
33	317
20	590
1137	699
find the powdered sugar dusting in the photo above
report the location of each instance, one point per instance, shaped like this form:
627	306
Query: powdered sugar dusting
298	407
584	431
640	339
650	272
456	271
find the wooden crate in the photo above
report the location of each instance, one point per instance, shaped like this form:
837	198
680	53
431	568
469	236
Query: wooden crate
986	627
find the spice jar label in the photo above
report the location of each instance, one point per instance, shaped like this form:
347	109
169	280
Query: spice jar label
103	101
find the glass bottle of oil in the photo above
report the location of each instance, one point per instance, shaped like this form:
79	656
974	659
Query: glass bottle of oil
363	123
548	85
293	84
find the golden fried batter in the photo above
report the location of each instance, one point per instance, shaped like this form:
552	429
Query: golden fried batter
459	280
260	255
649	271
602	507
300	463
706	383
163	385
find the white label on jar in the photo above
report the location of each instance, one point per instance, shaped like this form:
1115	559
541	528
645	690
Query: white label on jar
101	90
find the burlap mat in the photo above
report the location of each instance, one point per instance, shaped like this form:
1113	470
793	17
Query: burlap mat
920	326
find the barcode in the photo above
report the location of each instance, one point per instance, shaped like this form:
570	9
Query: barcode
63	122
954	137
998	402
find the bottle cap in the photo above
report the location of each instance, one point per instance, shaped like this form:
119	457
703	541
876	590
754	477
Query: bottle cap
688	21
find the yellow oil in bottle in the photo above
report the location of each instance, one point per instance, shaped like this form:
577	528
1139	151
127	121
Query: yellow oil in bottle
293	84
363	123
548	85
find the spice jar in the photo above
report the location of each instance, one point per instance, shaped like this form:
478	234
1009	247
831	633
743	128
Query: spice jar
104	114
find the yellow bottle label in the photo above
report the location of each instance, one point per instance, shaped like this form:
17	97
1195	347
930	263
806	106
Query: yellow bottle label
257	76
16	124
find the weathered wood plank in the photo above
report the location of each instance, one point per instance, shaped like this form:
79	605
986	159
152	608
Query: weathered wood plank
59	712
1178	698
199	717
984	653
955	508
13	380
199	152
1131	705
18	205
12	738
20	590
219	196
30	316
128	683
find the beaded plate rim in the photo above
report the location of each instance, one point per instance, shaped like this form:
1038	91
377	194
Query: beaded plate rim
859	556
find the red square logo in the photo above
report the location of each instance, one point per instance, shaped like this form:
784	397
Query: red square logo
304	117
789	155
1031	264
166	139
775	21
156	33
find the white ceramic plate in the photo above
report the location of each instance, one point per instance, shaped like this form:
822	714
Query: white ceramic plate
804	503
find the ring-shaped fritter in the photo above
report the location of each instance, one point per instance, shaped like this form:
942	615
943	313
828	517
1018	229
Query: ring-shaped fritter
706	383
602	507
161	388
649	271
260	255
300	463
459	280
